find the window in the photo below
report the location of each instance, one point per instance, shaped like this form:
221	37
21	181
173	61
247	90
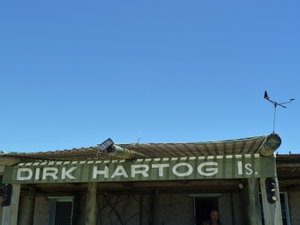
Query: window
284	209
61	210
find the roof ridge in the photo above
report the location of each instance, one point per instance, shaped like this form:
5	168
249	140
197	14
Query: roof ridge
200	142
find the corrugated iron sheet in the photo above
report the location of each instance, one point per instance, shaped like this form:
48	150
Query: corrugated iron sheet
152	150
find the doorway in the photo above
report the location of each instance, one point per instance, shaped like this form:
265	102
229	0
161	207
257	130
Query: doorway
61	210
202	208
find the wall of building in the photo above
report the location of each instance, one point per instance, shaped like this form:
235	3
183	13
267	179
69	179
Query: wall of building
294	206
41	210
168	209
25	209
162	209
134	209
225	208
238	212
79	211
173	209
231	209
123	209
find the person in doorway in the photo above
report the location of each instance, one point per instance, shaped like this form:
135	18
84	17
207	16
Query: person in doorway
213	218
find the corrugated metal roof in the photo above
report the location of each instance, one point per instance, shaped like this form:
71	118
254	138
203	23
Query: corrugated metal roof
293	156
152	150
286	159
288	165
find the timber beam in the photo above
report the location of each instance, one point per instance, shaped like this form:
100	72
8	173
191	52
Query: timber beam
91	204
9	161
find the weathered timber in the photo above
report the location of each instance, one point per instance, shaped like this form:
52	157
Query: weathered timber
2	170
10	213
254	216
272	212
155	169
142	186
91	204
9	161
28	218
287	165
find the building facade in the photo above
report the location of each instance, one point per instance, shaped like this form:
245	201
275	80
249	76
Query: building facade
154	184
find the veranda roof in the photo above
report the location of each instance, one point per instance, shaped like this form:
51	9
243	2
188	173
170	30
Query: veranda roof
248	145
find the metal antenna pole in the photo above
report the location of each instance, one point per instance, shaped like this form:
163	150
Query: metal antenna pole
274	118
281	104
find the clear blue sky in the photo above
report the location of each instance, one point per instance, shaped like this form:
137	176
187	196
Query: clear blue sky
74	73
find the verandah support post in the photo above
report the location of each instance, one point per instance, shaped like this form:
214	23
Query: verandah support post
254	213
91	204
10	213
272	212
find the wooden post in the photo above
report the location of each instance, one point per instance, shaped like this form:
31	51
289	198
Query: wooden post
10	213
253	207
91	204
272	212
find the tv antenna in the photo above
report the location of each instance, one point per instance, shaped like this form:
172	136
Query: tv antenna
139	139
282	104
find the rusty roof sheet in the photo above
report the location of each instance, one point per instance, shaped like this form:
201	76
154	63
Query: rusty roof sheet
288	158
288	166
291	156
151	150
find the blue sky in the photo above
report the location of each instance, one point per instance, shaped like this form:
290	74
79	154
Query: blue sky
74	73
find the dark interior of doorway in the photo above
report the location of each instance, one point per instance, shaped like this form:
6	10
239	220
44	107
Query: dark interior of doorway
63	213
203	206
